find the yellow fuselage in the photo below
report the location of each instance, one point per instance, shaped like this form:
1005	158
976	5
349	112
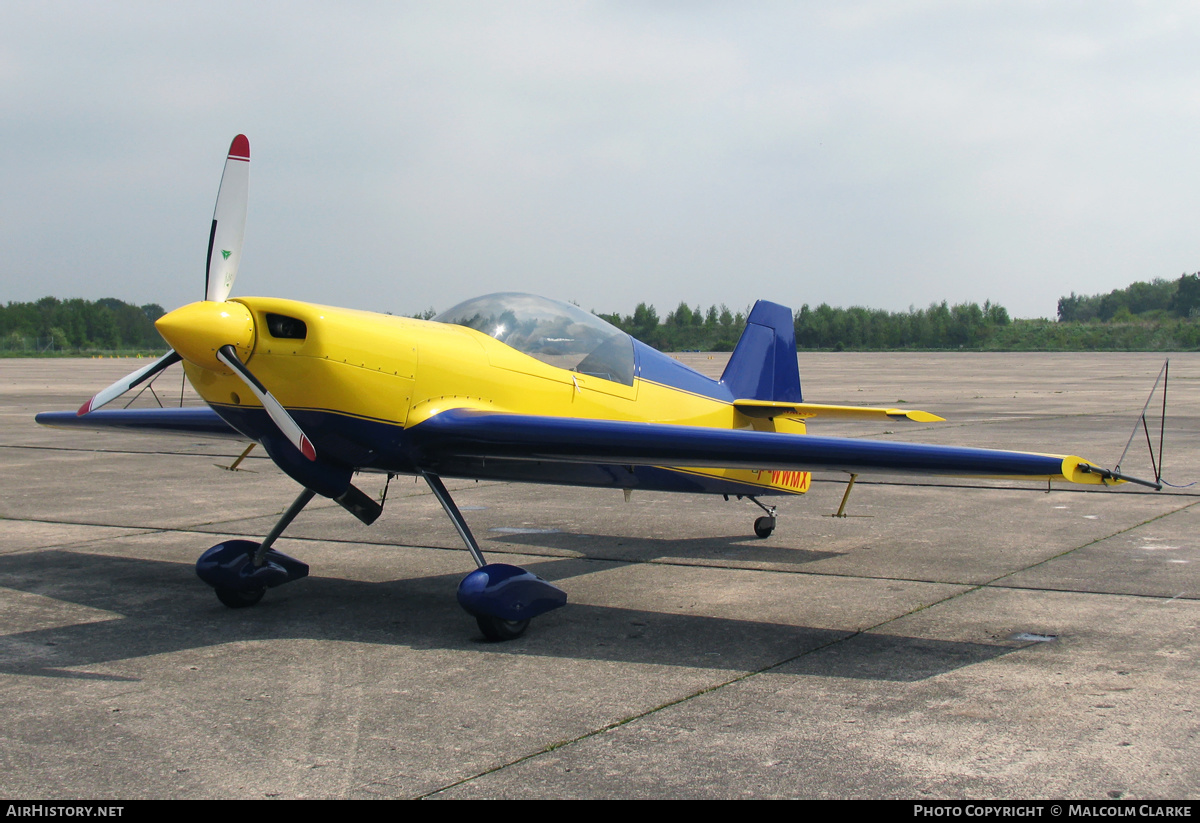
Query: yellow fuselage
402	371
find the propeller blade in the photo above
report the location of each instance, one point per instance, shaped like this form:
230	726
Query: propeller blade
106	396
290	429
229	222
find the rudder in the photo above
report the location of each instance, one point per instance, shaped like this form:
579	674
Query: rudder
763	365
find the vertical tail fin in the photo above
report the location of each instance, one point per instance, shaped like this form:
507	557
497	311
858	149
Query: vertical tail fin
763	365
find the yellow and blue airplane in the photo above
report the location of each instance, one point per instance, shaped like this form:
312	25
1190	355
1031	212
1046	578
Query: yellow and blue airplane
507	387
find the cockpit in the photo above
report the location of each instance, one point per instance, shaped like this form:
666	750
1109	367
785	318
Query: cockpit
556	333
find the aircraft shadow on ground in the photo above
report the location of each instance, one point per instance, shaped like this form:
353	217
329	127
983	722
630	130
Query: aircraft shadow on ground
735	549
162	608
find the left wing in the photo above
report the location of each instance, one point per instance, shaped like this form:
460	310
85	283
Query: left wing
197	420
470	433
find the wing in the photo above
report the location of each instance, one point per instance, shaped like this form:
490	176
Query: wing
469	433
195	420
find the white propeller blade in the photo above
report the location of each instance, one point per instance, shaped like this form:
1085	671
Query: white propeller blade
106	396
229	222
289	427
224	255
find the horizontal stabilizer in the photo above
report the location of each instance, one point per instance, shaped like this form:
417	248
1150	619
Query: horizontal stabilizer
775	408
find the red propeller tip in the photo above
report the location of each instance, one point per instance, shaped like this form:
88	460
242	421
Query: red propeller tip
239	149
85	408
306	448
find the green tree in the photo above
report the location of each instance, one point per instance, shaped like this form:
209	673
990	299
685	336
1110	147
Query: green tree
645	322
682	316
1186	300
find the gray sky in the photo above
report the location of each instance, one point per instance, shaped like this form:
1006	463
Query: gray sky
408	155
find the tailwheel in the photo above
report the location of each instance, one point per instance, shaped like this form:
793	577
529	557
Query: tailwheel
495	629
763	526
239	598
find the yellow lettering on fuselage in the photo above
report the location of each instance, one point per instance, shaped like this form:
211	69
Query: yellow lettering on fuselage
791	482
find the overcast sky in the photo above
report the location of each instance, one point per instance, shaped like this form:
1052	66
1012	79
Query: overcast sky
408	155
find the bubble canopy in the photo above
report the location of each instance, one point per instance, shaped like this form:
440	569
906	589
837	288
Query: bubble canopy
556	333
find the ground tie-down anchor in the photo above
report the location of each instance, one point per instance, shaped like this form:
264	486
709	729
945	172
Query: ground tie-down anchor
841	512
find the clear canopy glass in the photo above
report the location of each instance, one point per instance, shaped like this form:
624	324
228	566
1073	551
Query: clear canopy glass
556	333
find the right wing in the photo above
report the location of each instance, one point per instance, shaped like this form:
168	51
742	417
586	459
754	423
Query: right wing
195	420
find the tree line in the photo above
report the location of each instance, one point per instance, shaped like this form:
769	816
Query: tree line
1162	315
1158	315
78	325
941	326
1157	300
965	326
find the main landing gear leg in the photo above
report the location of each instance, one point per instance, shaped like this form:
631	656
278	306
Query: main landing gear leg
241	571
501	598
